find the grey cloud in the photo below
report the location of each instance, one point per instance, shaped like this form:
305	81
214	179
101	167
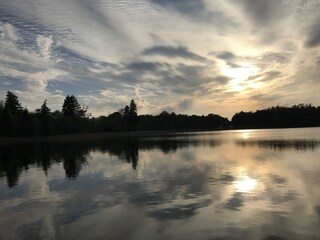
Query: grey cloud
144	66
263	12
69	56
226	55
182	81
278	57
183	84
97	15
183	6
185	104
175	78
267	18
269	76
222	79
267	97
313	39
266	77
200	12
174	52
179	79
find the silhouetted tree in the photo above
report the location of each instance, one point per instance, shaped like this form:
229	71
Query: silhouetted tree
1	106
126	112
44	114
130	116
126	118
12	103
6	124
71	107
133	116
56	114
44	110
27	126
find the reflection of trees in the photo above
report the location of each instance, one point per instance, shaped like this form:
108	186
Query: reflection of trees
14	159
167	145
300	145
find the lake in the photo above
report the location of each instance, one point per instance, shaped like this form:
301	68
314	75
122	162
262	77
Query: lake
240	184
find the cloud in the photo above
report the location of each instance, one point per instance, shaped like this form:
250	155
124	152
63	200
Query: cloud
263	12
183	6
313	37
8	33
225	55
185	105
144	66
169	51
222	79
269	76
44	45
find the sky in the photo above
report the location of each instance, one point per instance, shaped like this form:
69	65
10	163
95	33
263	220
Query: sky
186	56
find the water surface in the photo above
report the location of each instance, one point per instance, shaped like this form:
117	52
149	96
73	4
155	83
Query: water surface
244	184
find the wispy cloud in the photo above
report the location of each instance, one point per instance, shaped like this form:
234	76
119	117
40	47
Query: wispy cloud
183	55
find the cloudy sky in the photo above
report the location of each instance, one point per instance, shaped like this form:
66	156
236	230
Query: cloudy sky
187	56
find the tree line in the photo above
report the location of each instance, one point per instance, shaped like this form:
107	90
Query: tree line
16	121
301	115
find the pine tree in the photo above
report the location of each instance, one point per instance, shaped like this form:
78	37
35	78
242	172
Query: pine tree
71	107
133	116
44	110
12	104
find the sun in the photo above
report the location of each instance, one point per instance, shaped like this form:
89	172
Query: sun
239	75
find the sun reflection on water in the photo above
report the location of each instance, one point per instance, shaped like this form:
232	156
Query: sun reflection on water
246	134
246	184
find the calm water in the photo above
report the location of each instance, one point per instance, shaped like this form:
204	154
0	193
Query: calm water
245	184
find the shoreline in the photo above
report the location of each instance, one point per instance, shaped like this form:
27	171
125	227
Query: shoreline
80	137
108	135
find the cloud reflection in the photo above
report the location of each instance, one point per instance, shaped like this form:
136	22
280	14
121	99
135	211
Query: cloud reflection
185	187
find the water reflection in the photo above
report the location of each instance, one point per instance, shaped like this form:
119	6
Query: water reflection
15	159
246	184
189	186
280	144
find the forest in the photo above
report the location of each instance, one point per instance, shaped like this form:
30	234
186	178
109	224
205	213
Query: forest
16	121
301	115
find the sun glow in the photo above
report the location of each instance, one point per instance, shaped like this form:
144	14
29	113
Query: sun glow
239	76
246	184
